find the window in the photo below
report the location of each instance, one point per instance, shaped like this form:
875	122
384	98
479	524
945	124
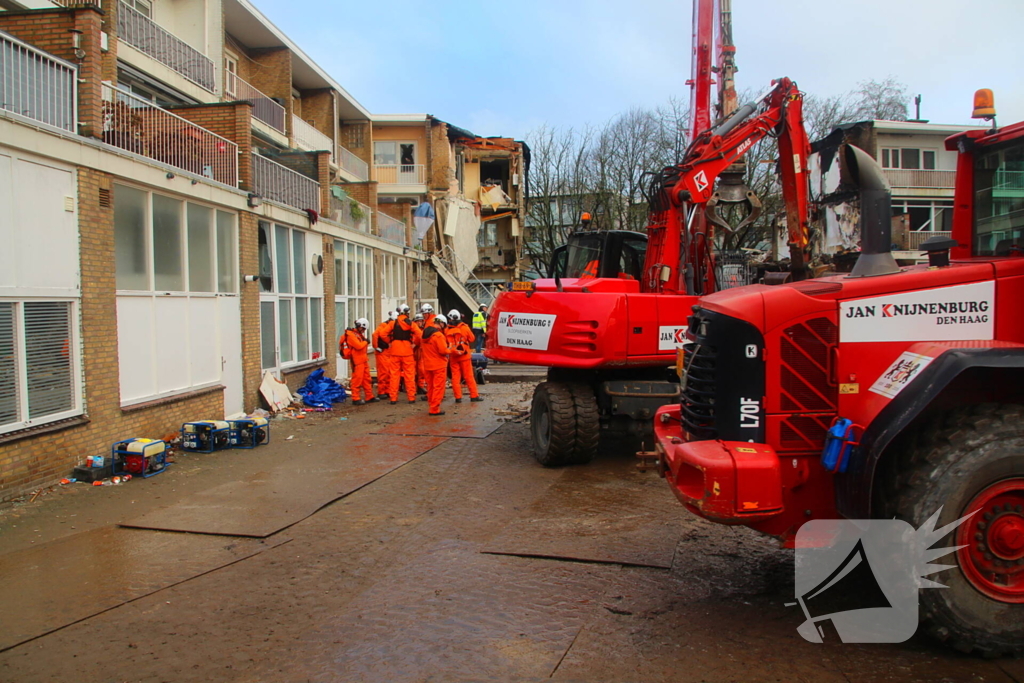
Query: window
999	200
38	363
908	158
388	152
925	215
487	236
143	7
230	74
353	285
291	319
394	277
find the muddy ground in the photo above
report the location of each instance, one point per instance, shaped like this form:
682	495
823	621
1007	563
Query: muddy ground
469	562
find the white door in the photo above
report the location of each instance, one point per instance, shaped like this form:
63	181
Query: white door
229	315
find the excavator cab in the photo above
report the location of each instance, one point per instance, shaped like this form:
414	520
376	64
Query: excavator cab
600	253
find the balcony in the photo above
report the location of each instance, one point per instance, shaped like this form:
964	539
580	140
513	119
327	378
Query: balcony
400	174
139	126
350	213
150	38
920	179
307	137
915	238
281	184
390	229
37	85
263	108
351	163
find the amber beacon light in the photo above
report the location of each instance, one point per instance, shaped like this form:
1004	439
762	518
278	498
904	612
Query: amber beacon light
984	105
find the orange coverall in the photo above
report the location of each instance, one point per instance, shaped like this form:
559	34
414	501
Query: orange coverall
421	375
402	334
460	343
435	364
360	365
384	361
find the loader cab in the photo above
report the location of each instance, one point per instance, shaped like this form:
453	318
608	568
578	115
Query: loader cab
600	254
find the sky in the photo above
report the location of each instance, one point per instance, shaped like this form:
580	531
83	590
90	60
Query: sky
504	69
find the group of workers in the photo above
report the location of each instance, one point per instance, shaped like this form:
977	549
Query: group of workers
417	350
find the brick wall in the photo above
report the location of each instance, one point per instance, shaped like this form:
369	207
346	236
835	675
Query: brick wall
248	264
271	74
43	456
363	192
357	137
438	159
330	343
318	107
231	120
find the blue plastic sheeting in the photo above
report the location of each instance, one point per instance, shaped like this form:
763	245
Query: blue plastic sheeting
320	391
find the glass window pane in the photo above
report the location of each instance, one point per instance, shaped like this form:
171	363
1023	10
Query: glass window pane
130	238
929	160
284	330
268	340
9	394
227	253
339	268
167	249
299	259
48	362
200	248
350	268
281	254
316	327
340	320
301	329
385	153
885	158
266	258
911	159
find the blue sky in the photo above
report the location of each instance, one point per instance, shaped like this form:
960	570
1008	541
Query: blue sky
503	69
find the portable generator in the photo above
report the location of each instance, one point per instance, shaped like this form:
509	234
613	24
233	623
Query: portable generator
139	457
205	436
248	432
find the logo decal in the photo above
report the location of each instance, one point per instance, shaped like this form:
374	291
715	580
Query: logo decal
525	330
901	373
959	313
671	337
701	181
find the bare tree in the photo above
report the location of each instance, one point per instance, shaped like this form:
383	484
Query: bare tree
884	100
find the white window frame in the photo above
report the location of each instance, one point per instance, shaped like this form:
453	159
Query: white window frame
353	289
397	152
230	66
892	157
21	365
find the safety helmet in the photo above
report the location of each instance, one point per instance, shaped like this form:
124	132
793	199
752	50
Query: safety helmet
417	318
426	308
454	315
392	315
362	322
404	308
483	306
440	319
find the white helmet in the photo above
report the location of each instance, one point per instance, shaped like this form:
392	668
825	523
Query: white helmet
404	308
440	319
454	315
362	322
426	308
392	315
418	317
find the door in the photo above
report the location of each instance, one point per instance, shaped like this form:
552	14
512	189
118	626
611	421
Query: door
230	332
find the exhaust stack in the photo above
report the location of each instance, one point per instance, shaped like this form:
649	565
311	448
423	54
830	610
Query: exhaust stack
860	170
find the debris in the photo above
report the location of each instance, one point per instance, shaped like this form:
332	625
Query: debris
276	392
290	437
320	391
66	481
342	418
34	495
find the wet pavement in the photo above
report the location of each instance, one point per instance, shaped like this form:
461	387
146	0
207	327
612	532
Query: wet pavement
469	562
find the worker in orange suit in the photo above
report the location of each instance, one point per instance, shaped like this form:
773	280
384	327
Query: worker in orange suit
435	363
428	314
402	337
384	362
460	342
355	338
421	377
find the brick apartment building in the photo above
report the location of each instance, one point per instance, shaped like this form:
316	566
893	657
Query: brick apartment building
187	201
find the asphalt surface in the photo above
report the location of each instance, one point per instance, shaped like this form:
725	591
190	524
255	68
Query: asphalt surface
468	562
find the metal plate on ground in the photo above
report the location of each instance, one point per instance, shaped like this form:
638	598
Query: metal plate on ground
596	513
467	421
60	583
270	501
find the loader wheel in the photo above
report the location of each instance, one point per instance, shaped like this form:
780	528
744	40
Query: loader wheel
973	460
553	424
588	424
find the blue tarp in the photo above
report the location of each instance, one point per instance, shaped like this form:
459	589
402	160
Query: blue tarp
320	391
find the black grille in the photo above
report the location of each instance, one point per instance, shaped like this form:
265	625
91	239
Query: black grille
698	401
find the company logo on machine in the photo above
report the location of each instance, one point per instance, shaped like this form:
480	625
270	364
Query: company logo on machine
701	181
944	314
671	337
857	581
525	330
901	373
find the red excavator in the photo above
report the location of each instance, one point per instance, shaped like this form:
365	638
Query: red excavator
891	392
609	319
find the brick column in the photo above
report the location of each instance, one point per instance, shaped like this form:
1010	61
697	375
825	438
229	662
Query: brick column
323	176
231	120
330	343
248	263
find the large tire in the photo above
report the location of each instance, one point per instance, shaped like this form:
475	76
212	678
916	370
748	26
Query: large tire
588	424
553	424
972	456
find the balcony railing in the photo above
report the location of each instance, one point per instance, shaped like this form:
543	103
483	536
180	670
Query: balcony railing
390	229
916	237
1008	180
351	163
146	35
281	184
920	178
37	85
400	174
309	138
139	126
263	108
350	213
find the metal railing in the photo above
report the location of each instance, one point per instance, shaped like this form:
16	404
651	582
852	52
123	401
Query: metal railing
263	108
920	178
309	138
149	37
350	213
462	272
139	126
400	174
351	163
281	184
916	237
1009	180
37	85
390	229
